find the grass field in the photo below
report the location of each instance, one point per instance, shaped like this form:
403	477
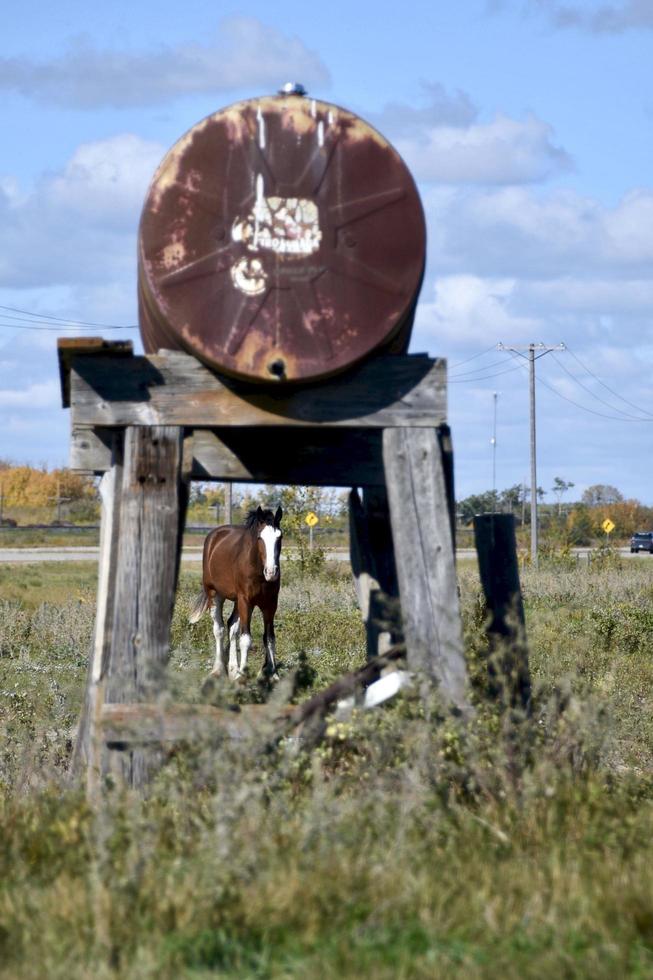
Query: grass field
405	846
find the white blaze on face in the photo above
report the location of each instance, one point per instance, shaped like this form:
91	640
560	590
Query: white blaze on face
269	536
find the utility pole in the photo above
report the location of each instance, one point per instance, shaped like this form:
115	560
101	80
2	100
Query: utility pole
495	396
229	503
529	351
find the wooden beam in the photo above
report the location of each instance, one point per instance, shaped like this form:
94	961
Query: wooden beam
171	388
424	555
125	726
305	457
71	347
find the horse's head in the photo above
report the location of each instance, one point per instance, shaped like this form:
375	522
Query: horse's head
269	538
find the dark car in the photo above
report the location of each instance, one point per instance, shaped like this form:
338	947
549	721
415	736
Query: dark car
642	541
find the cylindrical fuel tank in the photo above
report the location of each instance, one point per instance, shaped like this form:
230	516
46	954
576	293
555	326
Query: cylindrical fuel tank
282	240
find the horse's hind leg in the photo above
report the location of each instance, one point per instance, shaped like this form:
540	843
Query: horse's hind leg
218	632
233	625
245	642
270	665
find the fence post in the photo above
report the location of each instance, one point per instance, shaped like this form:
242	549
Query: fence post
497	560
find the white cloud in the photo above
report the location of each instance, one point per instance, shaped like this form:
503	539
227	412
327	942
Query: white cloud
79	225
468	310
515	232
608	18
245	53
504	151
399	119
44	394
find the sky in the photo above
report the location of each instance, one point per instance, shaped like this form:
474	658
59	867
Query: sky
528	125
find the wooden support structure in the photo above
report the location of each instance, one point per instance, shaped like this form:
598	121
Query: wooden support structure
150	424
499	570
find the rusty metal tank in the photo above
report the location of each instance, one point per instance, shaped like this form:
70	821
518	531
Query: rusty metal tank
282	240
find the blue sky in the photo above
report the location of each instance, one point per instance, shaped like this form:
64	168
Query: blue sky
527	123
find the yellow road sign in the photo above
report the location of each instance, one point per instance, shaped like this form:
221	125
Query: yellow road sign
608	526
311	519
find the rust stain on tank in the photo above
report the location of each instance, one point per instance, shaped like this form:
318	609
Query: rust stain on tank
282	239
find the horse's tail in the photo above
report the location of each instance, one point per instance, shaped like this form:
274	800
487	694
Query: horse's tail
201	605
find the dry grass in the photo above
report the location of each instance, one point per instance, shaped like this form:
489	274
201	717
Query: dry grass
406	847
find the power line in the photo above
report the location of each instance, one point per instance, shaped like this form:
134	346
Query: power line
626	416
607	387
30	319
486	377
13	326
584	408
485	367
473	357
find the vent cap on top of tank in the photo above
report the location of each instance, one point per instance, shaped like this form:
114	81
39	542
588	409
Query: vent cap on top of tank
292	88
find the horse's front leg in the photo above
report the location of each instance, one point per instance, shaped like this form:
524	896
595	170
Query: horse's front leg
270	665
233	625
245	641
218	632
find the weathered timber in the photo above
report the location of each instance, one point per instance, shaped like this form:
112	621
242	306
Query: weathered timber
87	751
71	347
151	511
446	448
310	457
125	726
90	449
496	546
305	456
172	388
373	568
424	555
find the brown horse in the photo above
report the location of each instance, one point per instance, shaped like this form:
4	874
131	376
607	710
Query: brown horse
241	563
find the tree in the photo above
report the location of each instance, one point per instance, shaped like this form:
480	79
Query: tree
477	503
560	487
580	526
511	498
601	493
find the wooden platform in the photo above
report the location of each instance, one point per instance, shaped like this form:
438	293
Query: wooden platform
150	424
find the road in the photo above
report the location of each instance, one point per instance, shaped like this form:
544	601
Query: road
14	556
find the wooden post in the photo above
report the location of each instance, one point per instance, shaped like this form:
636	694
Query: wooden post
424	554
151	507
87	753
373	567
497	559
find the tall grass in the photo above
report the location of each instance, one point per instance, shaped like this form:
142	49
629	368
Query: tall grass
405	846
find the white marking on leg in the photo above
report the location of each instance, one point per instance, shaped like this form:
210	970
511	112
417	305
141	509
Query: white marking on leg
271	650
245	643
233	648
218	632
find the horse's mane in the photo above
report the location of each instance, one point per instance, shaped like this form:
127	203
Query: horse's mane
252	518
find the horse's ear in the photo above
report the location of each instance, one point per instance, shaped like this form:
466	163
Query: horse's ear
278	516
259	513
